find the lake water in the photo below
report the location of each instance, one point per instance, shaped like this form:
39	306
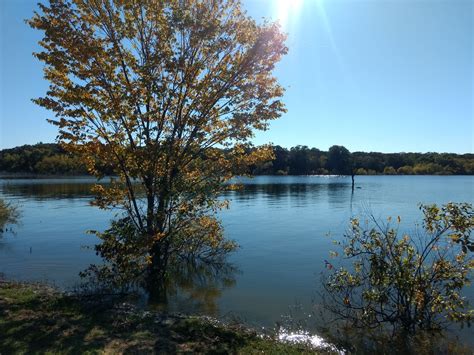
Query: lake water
280	223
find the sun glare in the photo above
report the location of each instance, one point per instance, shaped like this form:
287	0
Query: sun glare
287	10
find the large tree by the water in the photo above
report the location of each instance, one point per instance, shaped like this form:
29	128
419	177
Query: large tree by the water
151	88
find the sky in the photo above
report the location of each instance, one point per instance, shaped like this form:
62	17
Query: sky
372	75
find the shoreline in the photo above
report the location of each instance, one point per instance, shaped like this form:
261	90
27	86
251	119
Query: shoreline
39	318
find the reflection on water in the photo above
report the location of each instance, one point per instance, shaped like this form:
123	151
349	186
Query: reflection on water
305	337
191	287
281	191
280	223
195	287
49	189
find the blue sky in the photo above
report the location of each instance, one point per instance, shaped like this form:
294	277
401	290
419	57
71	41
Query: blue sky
374	75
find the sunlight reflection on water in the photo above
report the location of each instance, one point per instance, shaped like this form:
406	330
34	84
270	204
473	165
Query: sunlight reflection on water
304	337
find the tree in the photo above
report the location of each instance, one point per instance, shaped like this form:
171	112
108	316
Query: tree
280	163
389	170
340	162
153	88
405	170
406	283
299	160
59	164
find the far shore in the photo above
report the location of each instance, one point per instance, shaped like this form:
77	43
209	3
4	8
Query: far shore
7	175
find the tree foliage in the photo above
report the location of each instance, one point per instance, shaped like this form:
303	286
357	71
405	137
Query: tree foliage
402	282
302	160
51	159
9	214
168	94
48	159
339	160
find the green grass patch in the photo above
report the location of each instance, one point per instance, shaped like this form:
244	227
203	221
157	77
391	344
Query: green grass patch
38	319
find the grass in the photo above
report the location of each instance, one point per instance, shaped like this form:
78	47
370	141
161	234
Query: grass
38	319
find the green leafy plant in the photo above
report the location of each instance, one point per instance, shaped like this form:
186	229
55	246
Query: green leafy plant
401	282
9	214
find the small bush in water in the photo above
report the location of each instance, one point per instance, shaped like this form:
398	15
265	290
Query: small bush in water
405	283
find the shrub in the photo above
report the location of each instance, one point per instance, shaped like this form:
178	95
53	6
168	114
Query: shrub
8	214
389	170
405	283
405	170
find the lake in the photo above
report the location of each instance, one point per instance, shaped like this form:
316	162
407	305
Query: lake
281	224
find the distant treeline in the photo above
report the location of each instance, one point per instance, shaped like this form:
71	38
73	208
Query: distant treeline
51	159
42	159
301	160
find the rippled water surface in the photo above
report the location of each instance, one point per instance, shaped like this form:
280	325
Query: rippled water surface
280	223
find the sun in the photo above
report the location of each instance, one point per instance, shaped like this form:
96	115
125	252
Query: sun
287	10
